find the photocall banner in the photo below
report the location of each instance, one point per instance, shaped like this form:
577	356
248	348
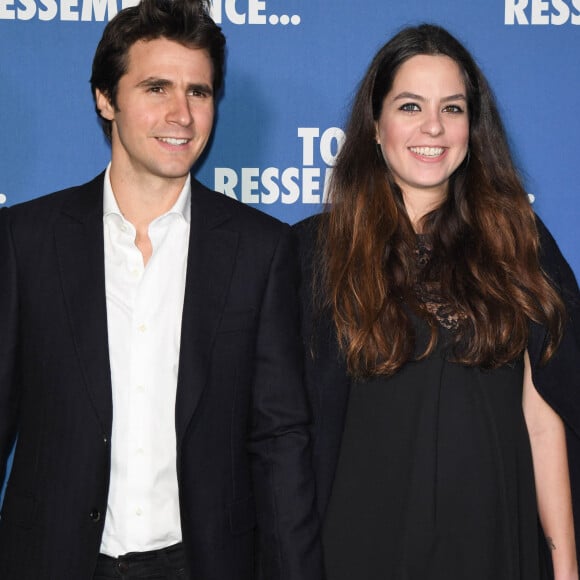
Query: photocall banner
293	66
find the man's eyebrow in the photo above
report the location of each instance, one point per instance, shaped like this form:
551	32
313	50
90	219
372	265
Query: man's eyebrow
161	82
200	87
154	82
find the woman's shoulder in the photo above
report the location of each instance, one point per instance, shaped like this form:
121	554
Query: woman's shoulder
556	267
558	380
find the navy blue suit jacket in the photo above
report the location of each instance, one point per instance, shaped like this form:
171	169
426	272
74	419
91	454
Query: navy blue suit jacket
243	457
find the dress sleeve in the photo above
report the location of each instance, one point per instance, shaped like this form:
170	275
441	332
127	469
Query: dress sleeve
558	381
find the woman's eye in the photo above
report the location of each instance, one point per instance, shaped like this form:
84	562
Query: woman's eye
410	107
453	109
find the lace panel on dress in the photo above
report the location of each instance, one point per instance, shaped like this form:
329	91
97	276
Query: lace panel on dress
429	293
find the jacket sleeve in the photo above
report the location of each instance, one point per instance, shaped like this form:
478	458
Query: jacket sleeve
289	544
9	397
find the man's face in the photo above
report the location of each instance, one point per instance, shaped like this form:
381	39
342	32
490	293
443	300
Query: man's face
164	113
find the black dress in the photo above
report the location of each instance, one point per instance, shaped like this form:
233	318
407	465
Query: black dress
435	478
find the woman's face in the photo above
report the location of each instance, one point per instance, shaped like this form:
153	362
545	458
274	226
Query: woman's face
423	130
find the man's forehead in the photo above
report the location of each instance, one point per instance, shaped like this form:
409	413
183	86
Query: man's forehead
159	55
145	43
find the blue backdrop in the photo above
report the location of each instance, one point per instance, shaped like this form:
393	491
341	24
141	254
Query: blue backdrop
293	67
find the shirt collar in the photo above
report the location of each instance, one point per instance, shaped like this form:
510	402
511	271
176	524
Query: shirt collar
181	207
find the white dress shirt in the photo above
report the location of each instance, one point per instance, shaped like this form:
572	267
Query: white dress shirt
144	311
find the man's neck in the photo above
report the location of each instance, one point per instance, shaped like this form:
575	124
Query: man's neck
142	201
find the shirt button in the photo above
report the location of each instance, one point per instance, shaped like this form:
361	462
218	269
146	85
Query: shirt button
142	328
95	515
138	511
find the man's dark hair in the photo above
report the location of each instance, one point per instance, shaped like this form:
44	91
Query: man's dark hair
187	22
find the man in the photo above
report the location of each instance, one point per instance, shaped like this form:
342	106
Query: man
149	362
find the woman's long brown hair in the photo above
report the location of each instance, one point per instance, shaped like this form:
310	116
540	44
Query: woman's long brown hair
484	236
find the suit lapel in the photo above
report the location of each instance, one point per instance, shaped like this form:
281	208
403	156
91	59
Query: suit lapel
210	263
211	260
79	246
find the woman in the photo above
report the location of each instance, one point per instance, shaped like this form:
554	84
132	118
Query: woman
425	312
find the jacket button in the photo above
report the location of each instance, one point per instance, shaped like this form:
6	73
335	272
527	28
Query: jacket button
95	515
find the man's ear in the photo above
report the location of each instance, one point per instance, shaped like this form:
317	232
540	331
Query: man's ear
104	105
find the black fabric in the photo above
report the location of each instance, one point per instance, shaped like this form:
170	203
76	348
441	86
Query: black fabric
435	478
246	491
332	393
164	564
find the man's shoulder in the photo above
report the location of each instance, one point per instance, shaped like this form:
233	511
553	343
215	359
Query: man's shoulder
47	205
308	228
307	235
247	218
